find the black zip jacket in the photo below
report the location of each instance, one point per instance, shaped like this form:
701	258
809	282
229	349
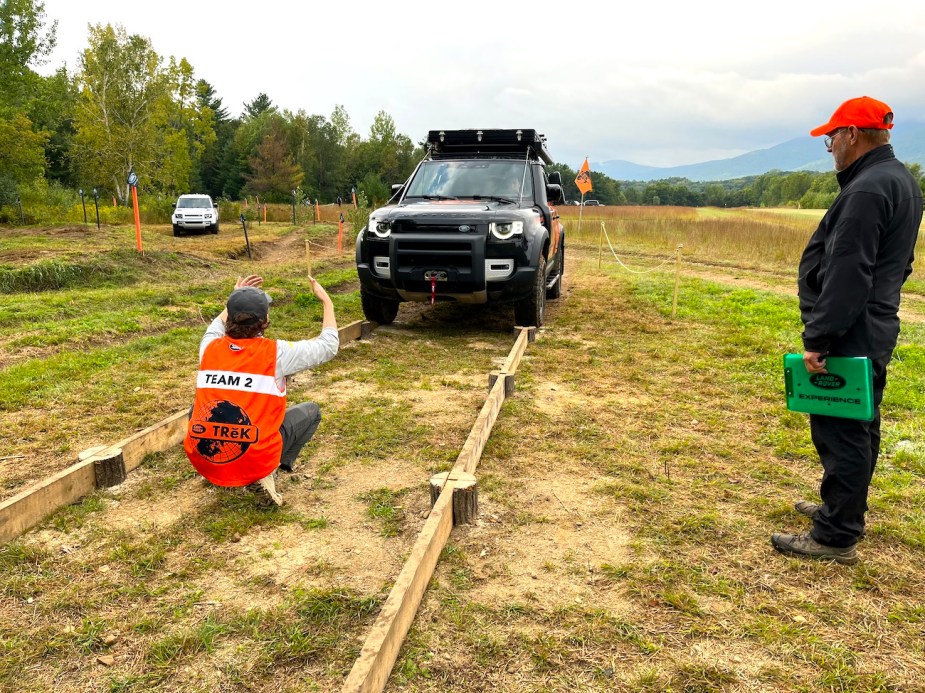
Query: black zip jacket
858	258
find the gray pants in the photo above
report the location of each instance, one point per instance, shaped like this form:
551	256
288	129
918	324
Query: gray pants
298	427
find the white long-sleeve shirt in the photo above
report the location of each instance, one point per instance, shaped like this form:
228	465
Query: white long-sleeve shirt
291	357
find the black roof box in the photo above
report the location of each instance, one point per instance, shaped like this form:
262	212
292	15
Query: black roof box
498	143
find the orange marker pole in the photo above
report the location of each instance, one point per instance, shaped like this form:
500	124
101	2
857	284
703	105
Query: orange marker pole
113	201
264	212
340	233
137	218
353	192
317	211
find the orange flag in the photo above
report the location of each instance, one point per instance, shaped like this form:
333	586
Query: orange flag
583	179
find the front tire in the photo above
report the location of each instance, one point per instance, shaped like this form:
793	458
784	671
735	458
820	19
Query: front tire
529	312
380	310
177	231
214	228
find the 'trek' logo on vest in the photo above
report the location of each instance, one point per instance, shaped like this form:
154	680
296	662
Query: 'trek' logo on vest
222	431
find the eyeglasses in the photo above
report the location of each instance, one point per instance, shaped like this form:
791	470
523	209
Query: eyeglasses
831	138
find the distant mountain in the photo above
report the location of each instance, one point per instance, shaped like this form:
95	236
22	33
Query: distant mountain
800	154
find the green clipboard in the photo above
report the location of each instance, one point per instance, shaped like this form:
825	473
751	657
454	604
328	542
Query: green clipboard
846	391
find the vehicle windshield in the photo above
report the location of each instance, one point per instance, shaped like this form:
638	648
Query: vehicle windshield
194	203
472	178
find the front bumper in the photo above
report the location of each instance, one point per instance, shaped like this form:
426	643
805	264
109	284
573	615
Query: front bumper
466	268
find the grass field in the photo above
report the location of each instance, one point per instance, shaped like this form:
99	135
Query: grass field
627	494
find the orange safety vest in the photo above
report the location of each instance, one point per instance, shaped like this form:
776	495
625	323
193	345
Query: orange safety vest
233	436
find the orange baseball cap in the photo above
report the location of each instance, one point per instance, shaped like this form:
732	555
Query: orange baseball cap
862	112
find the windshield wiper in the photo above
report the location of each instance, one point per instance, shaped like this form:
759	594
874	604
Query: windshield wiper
433	197
505	200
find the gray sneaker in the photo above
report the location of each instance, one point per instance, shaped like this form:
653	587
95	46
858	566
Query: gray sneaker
805	545
265	489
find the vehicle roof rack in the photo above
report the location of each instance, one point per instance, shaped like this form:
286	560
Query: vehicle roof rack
448	144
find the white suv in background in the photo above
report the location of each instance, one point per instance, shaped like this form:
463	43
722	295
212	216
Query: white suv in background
194	213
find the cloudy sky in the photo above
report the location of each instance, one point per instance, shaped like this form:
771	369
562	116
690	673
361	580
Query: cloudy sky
657	83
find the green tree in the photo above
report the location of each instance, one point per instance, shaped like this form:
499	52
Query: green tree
260	105
121	114
22	154
388	154
52	110
190	130
24	43
273	172
212	174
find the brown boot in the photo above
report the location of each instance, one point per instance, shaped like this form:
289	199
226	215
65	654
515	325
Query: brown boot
805	545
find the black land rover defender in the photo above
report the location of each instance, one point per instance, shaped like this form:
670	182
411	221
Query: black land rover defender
475	223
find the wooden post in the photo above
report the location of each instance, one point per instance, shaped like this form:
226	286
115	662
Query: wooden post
600	246
109	468
677	279
308	256
508	382
465	500
465	495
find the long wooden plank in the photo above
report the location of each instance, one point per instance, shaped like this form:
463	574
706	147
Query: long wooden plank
351	332
27	508
517	351
472	449
30	506
161	436
372	668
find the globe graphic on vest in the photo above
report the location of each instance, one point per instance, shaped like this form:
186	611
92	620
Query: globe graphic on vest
221	411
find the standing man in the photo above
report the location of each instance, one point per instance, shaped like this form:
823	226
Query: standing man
240	431
850	278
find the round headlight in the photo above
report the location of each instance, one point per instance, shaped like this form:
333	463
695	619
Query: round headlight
380	229
504	230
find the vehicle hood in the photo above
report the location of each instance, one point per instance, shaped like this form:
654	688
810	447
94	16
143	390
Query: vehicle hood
463	211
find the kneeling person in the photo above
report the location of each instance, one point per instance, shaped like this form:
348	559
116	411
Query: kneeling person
240	430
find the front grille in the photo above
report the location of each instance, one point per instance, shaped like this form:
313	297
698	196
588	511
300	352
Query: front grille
461	259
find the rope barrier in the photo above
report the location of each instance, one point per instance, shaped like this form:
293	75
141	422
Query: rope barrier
629	269
316	244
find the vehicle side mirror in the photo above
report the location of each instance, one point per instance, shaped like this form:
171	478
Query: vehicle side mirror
397	188
555	178
554	194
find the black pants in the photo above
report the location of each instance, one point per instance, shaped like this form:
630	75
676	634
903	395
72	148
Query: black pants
298	427
848	450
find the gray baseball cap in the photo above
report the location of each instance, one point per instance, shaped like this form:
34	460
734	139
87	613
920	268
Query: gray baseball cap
250	300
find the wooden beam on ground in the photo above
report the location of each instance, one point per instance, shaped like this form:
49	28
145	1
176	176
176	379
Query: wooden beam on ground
30	506
520	346
372	668
350	333
471	452
157	438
